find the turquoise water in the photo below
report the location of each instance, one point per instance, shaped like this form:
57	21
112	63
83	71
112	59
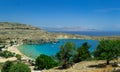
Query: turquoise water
50	49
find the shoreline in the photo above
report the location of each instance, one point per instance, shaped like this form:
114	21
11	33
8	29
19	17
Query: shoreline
15	50
11	49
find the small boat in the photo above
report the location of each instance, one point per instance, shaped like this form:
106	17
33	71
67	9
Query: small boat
52	45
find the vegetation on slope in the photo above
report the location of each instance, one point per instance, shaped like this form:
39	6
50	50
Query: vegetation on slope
10	66
45	62
16	30
82	53
107	50
6	54
19	67
6	67
66	53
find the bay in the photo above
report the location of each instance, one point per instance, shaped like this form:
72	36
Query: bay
34	50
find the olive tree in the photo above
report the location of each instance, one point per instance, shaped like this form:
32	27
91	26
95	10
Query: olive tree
82	53
66	53
107	50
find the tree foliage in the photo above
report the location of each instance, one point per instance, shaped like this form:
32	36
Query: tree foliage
107	50
45	62
19	67
18	56
6	54
66	53
15	67
6	66
82	53
1	47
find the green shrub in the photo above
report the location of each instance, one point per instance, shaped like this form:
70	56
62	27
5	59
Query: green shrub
18	57
6	66
19	67
1	47
45	62
6	54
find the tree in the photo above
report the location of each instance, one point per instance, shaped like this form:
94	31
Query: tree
107	50
82	53
6	66
66	53
19	67
45	62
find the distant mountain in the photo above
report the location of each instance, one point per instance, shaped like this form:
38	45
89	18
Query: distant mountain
67	29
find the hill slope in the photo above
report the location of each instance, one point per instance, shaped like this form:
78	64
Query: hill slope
16	30
29	33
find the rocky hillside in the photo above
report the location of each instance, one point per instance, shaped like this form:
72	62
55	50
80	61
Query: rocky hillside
28	33
22	32
16	30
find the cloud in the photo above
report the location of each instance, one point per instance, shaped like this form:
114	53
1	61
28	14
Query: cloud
107	10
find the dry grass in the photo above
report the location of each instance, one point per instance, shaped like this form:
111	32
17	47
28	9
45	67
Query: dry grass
85	67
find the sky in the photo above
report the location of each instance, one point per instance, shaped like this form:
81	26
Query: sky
63	14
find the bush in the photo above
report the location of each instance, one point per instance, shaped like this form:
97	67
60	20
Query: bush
1	47
6	66
19	67
45	62
18	57
6	54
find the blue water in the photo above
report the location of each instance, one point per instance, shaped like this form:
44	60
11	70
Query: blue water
51	49
92	33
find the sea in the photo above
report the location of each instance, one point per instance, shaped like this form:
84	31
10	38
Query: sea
91	33
50	49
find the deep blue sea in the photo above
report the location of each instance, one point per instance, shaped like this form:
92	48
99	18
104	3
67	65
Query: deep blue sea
52	48
91	33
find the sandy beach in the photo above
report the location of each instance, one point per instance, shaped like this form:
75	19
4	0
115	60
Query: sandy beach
15	50
2	60
11	49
